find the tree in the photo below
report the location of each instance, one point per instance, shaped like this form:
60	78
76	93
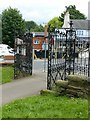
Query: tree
38	28
12	26
55	23
74	13
33	27
41	28
30	25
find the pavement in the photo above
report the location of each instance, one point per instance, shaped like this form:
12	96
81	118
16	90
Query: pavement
24	87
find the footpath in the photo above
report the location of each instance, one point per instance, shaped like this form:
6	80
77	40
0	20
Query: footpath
24	87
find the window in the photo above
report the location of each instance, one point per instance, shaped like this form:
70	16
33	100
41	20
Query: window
36	41
79	32
82	32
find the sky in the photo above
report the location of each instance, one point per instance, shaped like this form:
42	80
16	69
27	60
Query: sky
41	11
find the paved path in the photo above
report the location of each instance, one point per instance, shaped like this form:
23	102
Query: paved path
24	87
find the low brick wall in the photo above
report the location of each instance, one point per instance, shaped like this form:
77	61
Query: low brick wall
74	86
8	60
8	57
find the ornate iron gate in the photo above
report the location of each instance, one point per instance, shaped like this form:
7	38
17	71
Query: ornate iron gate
23	56
67	55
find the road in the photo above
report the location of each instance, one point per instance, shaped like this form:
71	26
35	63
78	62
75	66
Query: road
39	65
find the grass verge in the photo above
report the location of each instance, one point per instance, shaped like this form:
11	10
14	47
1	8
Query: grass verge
48	106
7	74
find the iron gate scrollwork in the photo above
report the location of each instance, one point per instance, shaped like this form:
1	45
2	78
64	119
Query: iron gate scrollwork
70	50
23	56
67	55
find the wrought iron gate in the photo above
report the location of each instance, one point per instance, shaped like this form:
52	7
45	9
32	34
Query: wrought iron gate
67	55
23	56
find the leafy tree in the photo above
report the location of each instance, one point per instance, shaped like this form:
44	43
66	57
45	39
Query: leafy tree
12	25
55	23
30	25
33	27
74	13
41	28
38	28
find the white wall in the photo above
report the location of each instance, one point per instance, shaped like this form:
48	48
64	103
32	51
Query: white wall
79	32
82	33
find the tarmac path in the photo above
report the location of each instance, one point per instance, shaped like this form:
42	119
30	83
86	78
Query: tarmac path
24	87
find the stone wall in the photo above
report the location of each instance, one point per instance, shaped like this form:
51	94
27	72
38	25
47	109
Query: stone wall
74	86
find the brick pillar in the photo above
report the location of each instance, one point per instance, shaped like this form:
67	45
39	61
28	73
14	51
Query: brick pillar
45	32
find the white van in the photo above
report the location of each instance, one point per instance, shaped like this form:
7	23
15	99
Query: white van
6	50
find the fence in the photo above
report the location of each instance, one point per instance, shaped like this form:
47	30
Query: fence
67	54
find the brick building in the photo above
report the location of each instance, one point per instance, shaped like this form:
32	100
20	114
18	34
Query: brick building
40	43
38	40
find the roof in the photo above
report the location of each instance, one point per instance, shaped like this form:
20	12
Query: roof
81	24
38	34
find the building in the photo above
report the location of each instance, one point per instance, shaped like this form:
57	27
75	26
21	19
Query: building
38	40
82	27
40	43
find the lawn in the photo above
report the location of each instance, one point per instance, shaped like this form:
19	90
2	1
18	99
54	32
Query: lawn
48	106
7	74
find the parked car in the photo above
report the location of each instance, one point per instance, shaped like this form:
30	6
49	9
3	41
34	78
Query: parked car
6	50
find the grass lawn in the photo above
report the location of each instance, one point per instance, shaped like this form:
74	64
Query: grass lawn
7	74
48	106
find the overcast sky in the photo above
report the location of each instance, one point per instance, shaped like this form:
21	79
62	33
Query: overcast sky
41	11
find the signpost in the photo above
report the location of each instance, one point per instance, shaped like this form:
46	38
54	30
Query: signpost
45	48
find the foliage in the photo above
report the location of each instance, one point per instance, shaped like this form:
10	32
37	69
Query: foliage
39	28
46	107
33	27
30	25
74	13
12	25
7	74
55	23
